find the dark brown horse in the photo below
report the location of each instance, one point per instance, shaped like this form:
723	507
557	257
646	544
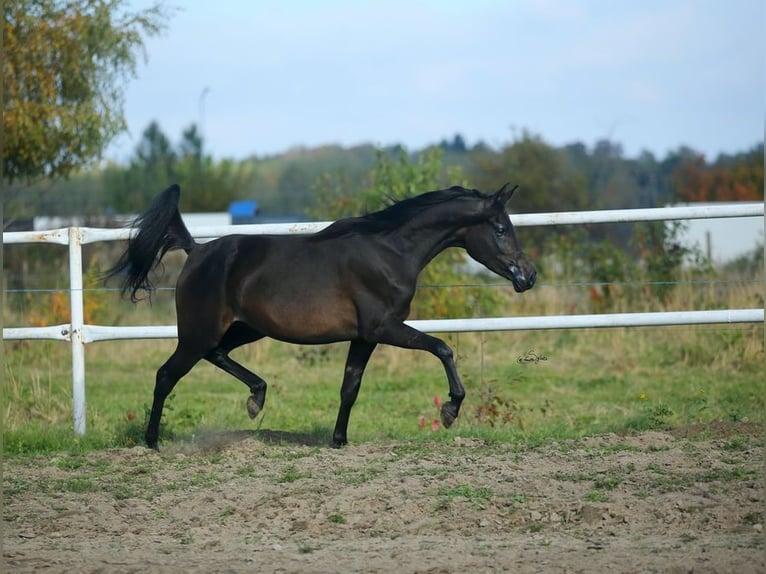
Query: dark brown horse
352	281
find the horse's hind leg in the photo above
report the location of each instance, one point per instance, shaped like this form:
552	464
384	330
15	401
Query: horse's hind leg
237	335
179	363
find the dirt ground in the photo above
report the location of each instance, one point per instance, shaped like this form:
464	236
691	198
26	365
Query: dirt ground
681	501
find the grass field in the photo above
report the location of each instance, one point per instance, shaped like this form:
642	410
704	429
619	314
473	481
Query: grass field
587	382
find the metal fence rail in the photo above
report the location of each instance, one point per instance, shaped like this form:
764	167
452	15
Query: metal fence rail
78	333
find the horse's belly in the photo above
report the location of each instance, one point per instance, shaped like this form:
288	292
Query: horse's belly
306	321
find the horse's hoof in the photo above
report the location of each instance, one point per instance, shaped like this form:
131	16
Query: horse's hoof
253	408
448	414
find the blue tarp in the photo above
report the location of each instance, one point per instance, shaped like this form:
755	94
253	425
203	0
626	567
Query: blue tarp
244	208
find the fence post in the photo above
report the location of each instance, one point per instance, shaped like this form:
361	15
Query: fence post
76	329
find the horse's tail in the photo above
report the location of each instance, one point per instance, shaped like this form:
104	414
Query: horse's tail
159	230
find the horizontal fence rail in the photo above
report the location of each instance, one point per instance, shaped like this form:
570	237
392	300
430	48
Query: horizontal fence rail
94	333
79	334
92	235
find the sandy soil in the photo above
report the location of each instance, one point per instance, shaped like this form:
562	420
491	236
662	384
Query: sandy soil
688	500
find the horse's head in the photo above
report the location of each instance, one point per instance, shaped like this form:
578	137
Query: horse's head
493	243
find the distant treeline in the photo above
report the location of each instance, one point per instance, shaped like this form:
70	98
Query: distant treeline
572	177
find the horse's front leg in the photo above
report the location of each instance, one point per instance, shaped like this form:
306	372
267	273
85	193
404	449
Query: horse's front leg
402	335
358	354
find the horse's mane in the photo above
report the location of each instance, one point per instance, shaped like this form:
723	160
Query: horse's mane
398	212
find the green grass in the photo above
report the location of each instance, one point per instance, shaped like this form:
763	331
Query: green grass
477	496
594	381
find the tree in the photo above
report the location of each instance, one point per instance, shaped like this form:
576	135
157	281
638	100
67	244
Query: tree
547	181
151	169
64	70
457	144
154	153
730	178
157	162
207	185
293	187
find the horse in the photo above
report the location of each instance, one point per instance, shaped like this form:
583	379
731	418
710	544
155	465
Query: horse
352	281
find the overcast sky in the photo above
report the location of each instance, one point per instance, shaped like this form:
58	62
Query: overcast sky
266	75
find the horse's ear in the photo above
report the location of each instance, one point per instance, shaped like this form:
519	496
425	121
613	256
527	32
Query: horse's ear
504	194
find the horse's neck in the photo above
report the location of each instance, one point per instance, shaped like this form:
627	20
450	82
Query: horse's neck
421	241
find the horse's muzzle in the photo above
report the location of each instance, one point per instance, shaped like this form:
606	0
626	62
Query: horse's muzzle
522	281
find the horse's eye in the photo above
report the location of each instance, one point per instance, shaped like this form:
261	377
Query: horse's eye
500	230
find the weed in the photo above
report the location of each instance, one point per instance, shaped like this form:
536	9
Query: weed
609	481
124	492
291	474
186	539
651	417
75	484
597	496
248	470
204	479
642	493
359	476
572	477
291	454
738	443
71	462
609	449
494	410
515	500
13	485
668	482
476	495
337	518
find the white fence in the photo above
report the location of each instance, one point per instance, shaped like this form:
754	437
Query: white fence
79	333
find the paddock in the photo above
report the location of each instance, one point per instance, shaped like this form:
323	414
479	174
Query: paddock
78	334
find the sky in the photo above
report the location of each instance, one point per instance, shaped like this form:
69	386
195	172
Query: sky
263	76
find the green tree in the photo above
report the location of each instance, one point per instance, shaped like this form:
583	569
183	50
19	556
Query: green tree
293	188
155	154
151	169
546	181
207	185
156	163
65	65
